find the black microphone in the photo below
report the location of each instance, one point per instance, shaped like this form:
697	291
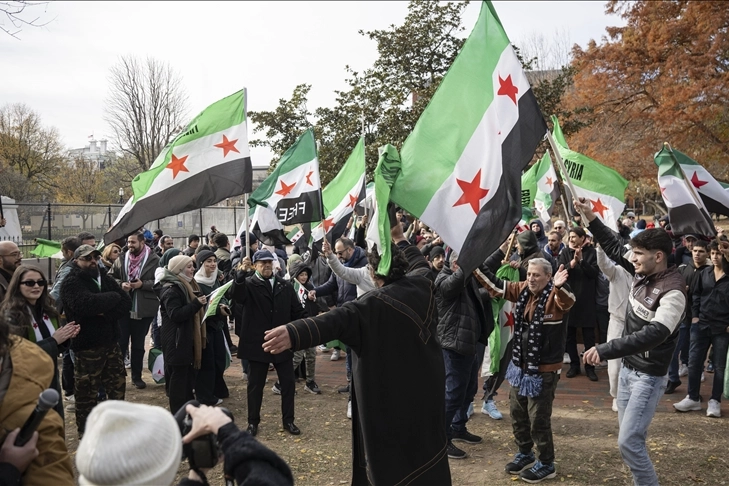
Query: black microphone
46	401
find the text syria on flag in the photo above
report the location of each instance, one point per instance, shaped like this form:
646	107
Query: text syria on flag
207	163
462	164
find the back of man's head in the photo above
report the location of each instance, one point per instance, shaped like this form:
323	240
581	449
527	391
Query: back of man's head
85	236
192	239
70	244
220	240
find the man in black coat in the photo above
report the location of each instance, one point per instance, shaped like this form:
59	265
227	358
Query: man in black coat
267	301
392	442
96	302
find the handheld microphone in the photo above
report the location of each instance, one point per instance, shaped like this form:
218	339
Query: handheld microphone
46	401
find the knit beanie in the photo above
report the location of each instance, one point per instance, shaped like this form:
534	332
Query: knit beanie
129	443
203	255
177	264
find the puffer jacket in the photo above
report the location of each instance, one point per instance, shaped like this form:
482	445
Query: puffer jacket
464	316
655	309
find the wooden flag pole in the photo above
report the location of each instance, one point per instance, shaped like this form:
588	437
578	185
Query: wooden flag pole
248	238
512	240
563	169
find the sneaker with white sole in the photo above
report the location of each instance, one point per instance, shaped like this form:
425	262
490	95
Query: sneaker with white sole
489	408
521	462
335	355
312	387
683	370
566	359
702	378
323	348
687	405
454	452
276	388
713	409
538	472
127	363
349	409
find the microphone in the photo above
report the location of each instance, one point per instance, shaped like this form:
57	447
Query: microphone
47	400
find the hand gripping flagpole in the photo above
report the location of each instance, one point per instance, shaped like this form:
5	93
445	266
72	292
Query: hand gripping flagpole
565	174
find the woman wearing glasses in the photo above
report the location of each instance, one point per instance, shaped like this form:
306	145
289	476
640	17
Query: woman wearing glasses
110	254
32	314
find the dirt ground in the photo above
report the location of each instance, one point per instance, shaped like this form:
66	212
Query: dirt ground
685	448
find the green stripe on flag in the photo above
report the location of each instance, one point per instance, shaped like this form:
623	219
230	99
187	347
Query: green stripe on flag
464	95
46	248
339	187
386	172
215	298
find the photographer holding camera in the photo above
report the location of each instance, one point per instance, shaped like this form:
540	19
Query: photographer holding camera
131	443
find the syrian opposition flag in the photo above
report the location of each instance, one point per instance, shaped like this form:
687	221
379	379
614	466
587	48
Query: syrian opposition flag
540	188
713	193
603	186
205	164
214	300
686	211
503	313
47	249
290	195
342	196
462	164
378	231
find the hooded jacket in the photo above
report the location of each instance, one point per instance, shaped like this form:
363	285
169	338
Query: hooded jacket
542	239
296	269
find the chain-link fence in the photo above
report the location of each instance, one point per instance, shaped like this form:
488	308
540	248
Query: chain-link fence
52	221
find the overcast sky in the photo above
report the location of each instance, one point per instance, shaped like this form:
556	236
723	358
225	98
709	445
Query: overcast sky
61	70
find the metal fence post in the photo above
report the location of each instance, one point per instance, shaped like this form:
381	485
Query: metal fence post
202	231
49	238
109	212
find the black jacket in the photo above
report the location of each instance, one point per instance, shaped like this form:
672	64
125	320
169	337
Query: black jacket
310	306
583	282
96	310
655	309
690	275
176	329
397	321
710	301
263	308
464	313
344	290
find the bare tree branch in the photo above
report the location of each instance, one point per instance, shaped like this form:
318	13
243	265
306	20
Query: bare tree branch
14	18
146	107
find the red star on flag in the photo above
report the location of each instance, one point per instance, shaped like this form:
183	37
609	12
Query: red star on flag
308	178
352	201
663	191
35	325
285	189
177	165
696	182
550	182
328	224
506	87
227	145
599	207
509	319
472	192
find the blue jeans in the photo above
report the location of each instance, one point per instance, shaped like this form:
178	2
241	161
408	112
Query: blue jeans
638	396
461	387
700	341
682	348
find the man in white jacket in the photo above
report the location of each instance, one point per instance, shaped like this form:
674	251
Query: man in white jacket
620	281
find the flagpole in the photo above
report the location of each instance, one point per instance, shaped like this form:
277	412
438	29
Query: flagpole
565	174
697	199
248	238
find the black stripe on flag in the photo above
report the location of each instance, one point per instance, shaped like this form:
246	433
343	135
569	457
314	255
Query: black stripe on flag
302	209
499	215
205	188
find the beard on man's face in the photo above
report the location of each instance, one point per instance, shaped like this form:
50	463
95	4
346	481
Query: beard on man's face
92	272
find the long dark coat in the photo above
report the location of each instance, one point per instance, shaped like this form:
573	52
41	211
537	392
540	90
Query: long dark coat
392	334
263	308
583	282
176	328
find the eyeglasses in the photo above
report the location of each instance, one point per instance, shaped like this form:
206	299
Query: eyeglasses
559	227
88	258
14	254
33	283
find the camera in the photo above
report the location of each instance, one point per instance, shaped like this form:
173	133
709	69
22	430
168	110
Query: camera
202	452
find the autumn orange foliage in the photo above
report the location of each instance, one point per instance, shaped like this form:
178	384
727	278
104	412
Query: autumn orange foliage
664	76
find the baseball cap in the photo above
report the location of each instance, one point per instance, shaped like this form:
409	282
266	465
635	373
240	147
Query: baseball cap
262	256
691	236
85	250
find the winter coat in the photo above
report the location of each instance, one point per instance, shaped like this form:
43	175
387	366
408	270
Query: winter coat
710	301
310	306
542	238
464	315
343	290
360	276
147	303
96	310
263	308
177	323
583	282
32	372
397	320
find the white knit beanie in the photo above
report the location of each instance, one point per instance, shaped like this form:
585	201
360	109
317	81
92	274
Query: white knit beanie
129	443
177	264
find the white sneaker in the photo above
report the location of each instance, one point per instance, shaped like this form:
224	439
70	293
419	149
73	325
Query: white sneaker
714	409
127	363
702	377
566	359
687	405
683	370
335	355
615	404
349	409
323	348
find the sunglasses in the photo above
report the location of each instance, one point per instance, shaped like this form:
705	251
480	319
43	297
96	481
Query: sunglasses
33	283
88	258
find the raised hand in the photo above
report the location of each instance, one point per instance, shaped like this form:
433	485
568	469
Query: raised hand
560	277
